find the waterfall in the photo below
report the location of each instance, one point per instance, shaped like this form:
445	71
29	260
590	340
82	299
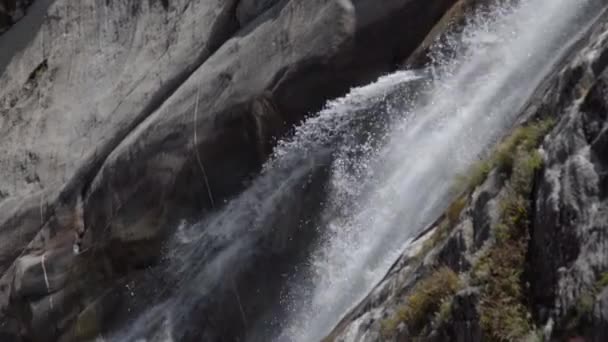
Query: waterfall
379	201
204	254
389	153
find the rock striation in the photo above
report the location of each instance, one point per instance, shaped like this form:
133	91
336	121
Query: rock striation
118	118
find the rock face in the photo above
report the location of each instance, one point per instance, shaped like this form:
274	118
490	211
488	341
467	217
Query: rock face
569	239
11	11
119	117
562	280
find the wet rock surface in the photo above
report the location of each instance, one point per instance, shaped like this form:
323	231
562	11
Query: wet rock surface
118	117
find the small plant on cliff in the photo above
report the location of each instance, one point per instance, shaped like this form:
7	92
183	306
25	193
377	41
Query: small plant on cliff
503	315
525	138
424	301
474	177
602	281
584	304
445	312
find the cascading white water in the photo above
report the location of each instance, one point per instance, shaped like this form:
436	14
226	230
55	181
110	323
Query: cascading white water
383	197
203	254
394	154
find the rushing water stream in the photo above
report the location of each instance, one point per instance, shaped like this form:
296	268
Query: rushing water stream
392	150
503	55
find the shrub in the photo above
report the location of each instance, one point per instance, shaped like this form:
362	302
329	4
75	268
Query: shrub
424	301
514	216
476	175
523	172
504	157
503	315
445	312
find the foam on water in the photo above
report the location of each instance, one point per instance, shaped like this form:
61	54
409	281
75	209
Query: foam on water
394	149
202	254
503	55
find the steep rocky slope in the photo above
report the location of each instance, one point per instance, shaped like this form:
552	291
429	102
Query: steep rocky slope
522	253
118	117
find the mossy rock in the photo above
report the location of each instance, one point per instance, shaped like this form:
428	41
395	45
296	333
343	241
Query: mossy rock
424	301
88	324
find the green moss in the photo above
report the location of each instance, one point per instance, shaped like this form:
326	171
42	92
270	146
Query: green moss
526	165
389	325
503	315
584	303
445	312
525	138
514	217
602	282
583	307
86	326
455	209
424	301
474	177
505	156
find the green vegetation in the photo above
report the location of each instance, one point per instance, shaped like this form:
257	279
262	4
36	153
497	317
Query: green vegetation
86	326
445	227
424	301
455	209
584	304
503	315
476	175
498	272
445	311
602	282
525	138
440	234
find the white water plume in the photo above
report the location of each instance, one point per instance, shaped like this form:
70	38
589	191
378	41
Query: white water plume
380	201
203	255
393	149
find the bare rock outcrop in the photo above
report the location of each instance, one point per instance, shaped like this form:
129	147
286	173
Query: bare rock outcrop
117	118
